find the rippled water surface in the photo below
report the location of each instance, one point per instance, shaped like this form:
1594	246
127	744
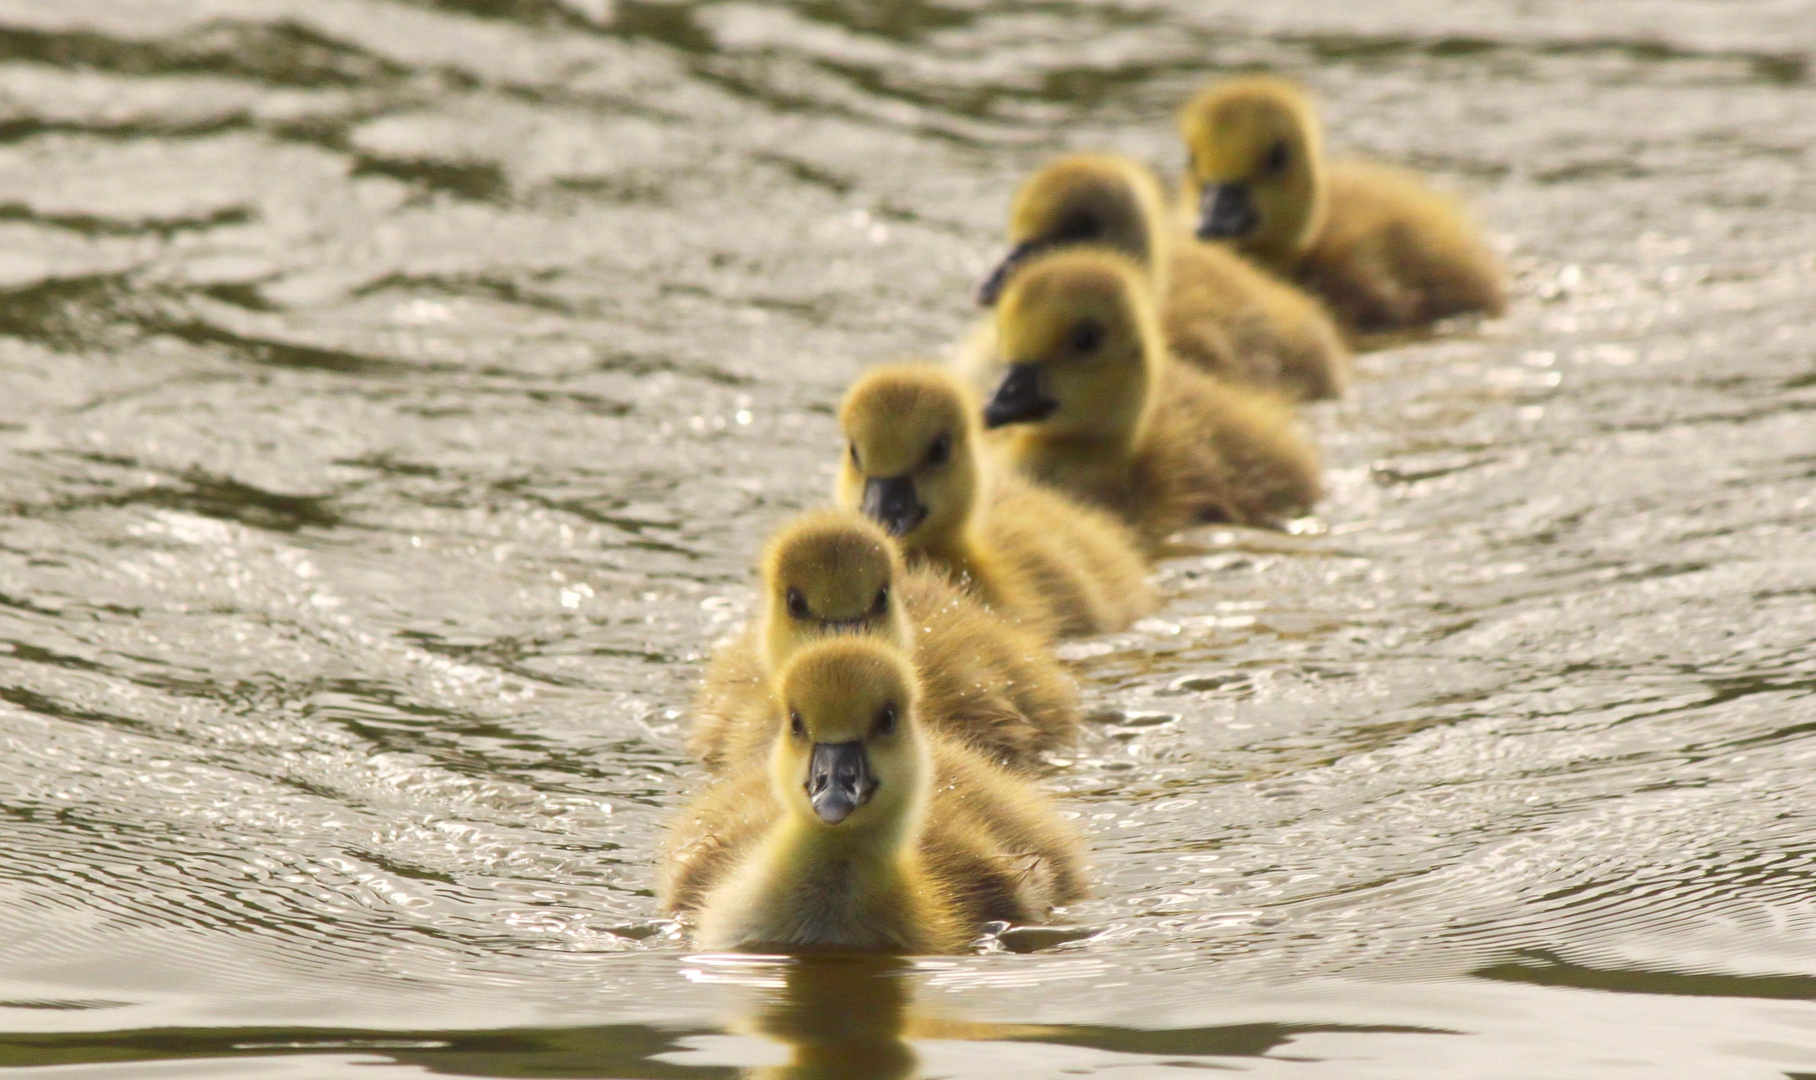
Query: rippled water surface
395	393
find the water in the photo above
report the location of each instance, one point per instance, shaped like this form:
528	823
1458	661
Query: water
396	394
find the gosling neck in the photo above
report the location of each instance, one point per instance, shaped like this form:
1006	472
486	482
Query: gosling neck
806	887
954	544
1156	229
1160	257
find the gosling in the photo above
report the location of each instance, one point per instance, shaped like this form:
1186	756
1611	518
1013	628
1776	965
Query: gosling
1055	566
864	830
1383	249
986	682
1219	312
1090	402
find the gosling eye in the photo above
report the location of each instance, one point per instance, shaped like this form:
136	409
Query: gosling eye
854	458
941	450
796	726
1087	336
885	720
797	604
1079	227
881	603
1276	159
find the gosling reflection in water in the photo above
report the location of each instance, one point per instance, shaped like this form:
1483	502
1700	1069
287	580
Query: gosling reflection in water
850	1016
843	1018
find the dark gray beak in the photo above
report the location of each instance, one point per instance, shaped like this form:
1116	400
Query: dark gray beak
890	502
1225	212
991	290
839	780
1018	399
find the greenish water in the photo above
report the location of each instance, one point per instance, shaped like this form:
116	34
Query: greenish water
396	394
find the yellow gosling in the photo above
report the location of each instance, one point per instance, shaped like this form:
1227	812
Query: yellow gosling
1055	566
1383	249
1218	311
864	830
985	681
1090	401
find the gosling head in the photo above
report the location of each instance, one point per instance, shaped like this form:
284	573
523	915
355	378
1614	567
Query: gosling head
1099	199
1081	341
850	755
1256	168
909	464
826	573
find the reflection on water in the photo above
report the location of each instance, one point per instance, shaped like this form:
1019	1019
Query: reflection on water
396	394
840	1018
827	1017
625	1050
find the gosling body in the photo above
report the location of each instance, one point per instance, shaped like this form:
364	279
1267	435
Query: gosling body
1218	312
985	681
1053	565
863	829
1383	249
1089	400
